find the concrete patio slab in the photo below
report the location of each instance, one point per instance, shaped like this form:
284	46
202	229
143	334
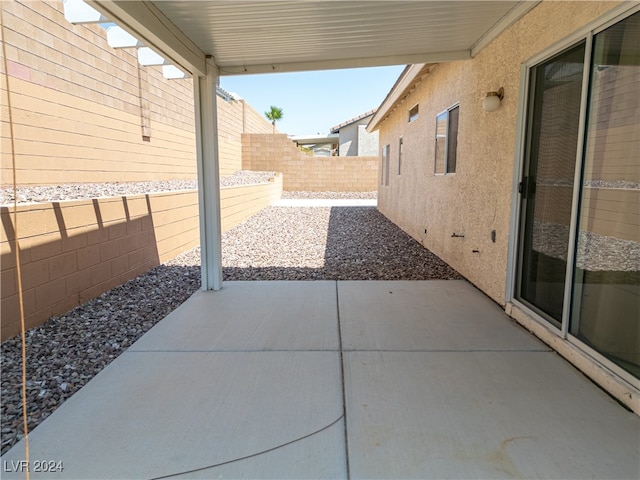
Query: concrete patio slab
248	383
426	315
483	415
150	414
276	316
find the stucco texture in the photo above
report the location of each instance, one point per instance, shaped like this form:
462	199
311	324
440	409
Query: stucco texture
476	200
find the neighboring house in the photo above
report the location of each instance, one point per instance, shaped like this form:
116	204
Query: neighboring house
320	145
520	168
354	138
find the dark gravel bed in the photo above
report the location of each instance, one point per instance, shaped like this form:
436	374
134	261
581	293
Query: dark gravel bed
279	243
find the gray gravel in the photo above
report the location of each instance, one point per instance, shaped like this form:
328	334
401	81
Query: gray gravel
595	252
330	195
281	243
246	177
317	243
82	191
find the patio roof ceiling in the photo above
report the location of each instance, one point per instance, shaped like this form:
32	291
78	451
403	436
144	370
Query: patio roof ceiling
248	37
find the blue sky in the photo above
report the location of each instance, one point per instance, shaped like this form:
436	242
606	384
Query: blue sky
313	102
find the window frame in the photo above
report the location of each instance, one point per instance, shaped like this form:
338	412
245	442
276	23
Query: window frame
411	117
400	145
446	115
585	33
384	174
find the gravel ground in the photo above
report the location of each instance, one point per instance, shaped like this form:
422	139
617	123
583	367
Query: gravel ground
595	252
331	195
82	191
281	243
341	243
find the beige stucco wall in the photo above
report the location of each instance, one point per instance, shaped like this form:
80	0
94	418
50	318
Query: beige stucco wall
304	172
476	199
73	251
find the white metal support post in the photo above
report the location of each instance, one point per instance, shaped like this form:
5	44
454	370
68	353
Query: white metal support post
208	177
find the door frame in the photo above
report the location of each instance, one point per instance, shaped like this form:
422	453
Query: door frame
585	33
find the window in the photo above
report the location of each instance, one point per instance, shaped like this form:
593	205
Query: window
413	113
384	177
447	140
400	142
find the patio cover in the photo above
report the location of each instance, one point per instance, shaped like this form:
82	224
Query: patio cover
212	38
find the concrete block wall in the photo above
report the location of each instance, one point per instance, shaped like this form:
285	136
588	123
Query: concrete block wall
303	172
239	203
255	122
73	251
81	112
85	112
229	132
79	106
234	118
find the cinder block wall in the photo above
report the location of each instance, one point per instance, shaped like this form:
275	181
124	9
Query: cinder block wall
234	118
73	251
85	112
82	111
304	172
80	108
239	203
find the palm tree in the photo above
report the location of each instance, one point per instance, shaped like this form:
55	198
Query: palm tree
274	115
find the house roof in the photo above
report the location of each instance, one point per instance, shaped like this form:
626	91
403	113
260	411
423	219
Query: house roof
248	37
337	128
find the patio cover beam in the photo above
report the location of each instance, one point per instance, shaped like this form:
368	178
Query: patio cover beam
147	23
208	177
414	58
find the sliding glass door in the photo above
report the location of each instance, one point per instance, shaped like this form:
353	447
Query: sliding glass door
578	263
606	298
547	186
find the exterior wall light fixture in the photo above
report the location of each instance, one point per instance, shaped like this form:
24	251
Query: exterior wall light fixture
491	102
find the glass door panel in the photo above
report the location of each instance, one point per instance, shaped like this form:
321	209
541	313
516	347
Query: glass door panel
547	186
606	297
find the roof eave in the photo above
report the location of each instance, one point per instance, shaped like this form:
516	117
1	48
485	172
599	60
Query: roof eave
412	71
237	68
406	78
351	121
